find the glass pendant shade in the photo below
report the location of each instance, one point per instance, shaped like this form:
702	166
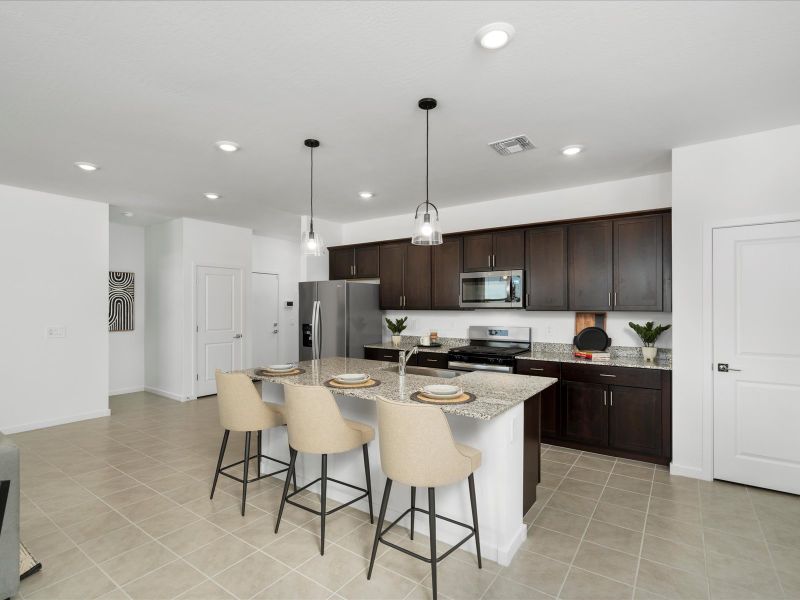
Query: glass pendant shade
427	229
312	244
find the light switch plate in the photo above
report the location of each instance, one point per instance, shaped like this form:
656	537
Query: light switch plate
56	332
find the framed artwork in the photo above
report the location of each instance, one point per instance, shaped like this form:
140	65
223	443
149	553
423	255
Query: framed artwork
120	301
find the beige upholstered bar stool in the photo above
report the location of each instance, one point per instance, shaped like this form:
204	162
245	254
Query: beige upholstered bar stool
317	427
418	450
242	409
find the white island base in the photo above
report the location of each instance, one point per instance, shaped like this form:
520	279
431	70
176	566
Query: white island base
498	482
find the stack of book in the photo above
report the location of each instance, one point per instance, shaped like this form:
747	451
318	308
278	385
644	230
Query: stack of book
593	354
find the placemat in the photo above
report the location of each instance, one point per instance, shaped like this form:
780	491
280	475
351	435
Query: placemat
462	399
265	373
349	386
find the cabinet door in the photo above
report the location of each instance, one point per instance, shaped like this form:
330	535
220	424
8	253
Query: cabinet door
478	250
590	265
546	268
667	271
367	262
340	263
446	274
638	282
550	396
508	250
392	257
584	409
417	277
634	419
435	360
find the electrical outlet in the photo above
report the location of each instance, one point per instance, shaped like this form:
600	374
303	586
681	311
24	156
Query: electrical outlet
56	332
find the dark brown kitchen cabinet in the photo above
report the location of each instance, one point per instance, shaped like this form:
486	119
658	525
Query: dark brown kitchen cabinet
550	396
667	271
405	273
434	360
498	251
634	419
585	412
367	262
638	251
340	261
591	265
546	270
349	262
446	274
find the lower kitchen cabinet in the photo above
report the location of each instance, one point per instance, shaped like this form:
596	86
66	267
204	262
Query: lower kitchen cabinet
382	354
634	419
585	412
434	360
549	397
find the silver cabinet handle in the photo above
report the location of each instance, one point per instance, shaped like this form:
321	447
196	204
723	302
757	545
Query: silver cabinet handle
611	397
489	260
389	356
431	360
615	298
533	369
604	397
237	336
494	257
606	375
609	299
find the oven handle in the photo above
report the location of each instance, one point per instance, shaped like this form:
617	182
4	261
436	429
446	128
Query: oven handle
463	366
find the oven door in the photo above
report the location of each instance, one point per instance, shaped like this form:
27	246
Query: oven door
491	289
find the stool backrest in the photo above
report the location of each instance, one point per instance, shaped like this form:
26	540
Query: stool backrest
315	424
417	446
240	405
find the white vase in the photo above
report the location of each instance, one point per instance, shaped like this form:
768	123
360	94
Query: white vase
396	340
649	353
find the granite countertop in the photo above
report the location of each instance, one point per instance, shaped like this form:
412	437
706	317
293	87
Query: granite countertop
495	392
615	361
409	342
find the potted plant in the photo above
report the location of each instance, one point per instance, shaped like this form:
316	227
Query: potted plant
649	333
397	327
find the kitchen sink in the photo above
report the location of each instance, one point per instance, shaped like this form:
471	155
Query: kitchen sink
426	371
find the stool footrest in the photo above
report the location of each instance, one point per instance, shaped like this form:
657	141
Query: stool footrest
427	559
333	510
264	476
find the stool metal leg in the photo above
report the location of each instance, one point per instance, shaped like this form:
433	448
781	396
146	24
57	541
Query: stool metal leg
381	517
472	501
292	459
219	461
413	506
369	481
258	454
323	490
432	534
246	464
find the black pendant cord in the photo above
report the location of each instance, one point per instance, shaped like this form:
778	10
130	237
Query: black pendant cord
427	159
311	221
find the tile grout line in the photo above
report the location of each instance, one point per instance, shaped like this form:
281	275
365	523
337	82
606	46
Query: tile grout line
766	543
641	543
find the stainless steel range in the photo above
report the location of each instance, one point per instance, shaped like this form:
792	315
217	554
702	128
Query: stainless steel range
490	349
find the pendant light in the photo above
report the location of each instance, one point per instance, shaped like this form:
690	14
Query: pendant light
427	230
312	242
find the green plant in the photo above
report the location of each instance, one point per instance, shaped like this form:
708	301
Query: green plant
648	332
397	326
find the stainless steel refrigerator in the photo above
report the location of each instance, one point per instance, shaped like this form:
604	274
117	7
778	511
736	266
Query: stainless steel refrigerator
337	318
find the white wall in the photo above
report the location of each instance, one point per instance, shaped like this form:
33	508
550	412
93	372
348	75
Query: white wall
624	195
315	268
733	181
126	348
282	257
55	274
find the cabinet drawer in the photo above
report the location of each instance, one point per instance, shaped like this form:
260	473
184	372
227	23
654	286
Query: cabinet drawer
541	368
630	376
435	360
381	354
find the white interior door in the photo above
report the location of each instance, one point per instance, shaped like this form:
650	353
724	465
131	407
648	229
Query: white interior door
219	325
757	399
265	329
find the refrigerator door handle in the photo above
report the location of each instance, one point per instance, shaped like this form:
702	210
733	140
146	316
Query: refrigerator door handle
315	341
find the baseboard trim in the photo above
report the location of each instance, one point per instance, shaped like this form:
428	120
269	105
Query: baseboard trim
684	471
164	393
128	390
53	422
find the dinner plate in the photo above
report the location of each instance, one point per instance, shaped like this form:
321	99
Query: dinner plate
280	368
352	378
442	391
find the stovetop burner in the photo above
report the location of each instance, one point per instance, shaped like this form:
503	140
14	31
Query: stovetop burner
480	350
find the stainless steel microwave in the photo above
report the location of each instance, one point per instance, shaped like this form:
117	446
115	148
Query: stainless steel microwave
491	289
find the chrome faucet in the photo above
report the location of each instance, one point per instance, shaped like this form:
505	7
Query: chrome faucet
403	358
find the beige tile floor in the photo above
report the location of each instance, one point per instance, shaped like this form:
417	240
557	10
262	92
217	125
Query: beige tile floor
118	508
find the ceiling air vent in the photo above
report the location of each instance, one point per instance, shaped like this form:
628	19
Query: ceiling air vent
512	145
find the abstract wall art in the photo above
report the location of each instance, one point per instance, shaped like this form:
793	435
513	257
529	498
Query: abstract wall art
120	301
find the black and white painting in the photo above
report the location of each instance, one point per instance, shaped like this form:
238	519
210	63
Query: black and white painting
120	301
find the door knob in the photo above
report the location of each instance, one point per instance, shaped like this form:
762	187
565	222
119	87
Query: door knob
274	331
237	336
724	368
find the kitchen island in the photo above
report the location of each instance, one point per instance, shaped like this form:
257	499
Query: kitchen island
503	423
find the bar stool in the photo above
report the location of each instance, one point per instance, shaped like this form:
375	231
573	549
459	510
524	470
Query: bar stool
418	450
242	409
317	427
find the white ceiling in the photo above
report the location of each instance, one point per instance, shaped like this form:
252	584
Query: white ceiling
145	88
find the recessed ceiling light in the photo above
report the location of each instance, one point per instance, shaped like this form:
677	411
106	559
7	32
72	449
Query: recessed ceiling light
212	196
127	213
494	35
86	166
571	150
366	195
226	146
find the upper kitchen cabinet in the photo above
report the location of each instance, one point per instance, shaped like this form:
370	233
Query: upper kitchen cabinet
405	273
638	264
446	260
591	270
498	251
354	262
546	268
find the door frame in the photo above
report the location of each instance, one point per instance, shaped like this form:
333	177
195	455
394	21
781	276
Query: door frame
193	324
707	337
280	325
